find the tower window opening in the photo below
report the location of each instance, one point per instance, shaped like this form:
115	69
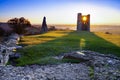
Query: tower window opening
84	18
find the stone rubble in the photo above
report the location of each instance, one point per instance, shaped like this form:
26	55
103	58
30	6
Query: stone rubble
65	71
99	67
6	48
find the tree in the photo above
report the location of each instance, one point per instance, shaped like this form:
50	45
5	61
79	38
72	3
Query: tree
19	24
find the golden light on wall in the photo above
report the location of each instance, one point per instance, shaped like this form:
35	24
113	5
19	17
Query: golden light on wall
84	18
83	22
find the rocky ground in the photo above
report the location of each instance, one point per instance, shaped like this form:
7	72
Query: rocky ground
8	47
96	67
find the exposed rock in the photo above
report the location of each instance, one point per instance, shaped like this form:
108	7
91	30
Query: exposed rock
7	47
48	72
98	67
4	54
108	33
13	57
14	36
102	66
78	56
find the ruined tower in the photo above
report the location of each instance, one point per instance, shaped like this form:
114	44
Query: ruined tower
83	22
44	26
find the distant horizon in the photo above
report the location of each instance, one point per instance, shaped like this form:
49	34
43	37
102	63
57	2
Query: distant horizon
73	24
62	23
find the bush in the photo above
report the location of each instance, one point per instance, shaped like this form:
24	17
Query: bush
51	28
19	25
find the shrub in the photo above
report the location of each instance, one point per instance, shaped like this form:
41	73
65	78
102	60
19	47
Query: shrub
19	24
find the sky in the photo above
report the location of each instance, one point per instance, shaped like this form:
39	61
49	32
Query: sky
105	12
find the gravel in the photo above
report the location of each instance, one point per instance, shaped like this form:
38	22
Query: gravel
100	67
64	71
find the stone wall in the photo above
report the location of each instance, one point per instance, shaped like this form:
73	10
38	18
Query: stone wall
83	24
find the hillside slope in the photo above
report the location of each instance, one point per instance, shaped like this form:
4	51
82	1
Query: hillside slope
41	48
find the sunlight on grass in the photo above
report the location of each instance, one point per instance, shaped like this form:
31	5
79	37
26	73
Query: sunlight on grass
113	38
82	44
55	43
42	38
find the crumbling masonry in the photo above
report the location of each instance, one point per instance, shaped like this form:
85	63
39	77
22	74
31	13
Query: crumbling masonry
83	22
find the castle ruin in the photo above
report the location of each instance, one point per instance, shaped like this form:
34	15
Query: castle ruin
44	27
83	22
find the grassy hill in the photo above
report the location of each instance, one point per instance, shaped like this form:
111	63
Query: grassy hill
41	48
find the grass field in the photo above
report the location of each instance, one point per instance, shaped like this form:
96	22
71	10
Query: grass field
41	48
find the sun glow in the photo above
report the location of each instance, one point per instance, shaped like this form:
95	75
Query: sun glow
84	18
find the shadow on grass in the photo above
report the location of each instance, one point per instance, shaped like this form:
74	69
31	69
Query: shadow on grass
42	53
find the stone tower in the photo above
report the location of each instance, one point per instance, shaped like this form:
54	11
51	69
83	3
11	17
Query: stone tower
83	22
44	26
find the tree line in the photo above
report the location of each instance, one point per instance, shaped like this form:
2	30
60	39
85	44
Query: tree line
18	26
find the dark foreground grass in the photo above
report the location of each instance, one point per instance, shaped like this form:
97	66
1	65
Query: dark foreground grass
57	42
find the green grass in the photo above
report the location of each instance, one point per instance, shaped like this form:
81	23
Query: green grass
42	47
91	69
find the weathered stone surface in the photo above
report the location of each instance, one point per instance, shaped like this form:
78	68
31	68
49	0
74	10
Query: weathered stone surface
44	27
4	54
100	67
15	37
7	47
78	56
48	72
13	57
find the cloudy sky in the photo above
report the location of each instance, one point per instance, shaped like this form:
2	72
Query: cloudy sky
61	11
